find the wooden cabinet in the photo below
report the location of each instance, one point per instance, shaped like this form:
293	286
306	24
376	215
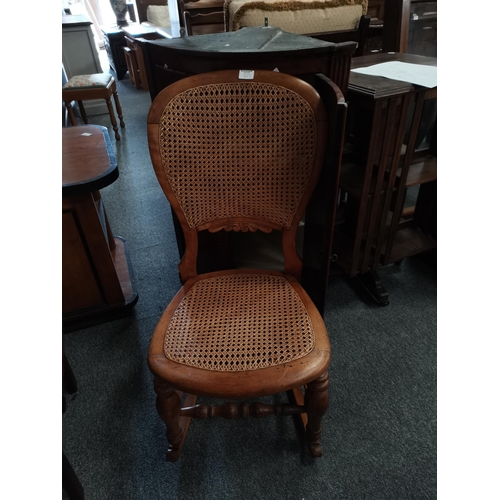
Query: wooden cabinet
268	48
422	31
410	26
248	48
388	180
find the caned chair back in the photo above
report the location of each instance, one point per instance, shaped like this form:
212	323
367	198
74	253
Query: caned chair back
238	154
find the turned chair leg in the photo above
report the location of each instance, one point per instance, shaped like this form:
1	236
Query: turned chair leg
113	119
70	112
316	402
118	108
168	405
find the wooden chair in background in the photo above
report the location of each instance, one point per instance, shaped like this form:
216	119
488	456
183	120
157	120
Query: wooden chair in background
242	155
200	17
88	87
132	66
135	64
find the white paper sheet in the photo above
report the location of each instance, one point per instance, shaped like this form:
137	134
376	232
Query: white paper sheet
405	72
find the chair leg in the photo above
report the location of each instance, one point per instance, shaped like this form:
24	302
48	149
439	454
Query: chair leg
118	108
70	481
82	112
113	119
70	113
168	405
316	402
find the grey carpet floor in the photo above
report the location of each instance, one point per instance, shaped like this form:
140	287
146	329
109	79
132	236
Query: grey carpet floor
379	435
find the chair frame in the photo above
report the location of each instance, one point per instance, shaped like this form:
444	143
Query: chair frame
171	379
92	93
204	17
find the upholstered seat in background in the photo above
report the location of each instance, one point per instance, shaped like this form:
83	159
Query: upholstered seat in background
331	20
157	16
88	87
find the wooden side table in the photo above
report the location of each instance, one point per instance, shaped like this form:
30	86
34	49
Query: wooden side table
98	283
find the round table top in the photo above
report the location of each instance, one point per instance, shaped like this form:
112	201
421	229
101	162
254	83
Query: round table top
88	162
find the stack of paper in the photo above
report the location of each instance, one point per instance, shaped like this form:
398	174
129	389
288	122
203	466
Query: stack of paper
417	74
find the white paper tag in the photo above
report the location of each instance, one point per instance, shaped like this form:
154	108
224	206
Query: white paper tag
277	70
246	74
86	134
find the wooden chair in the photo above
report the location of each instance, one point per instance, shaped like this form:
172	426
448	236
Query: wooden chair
89	87
239	155
201	17
131	61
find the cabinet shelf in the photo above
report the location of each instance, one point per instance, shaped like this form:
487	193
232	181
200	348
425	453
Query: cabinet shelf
421	171
410	241
387	166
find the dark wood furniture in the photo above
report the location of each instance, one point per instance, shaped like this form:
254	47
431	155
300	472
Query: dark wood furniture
410	26
97	282
114	42
132	66
422	29
91	87
135	60
248	48
390	148
242	333
201	17
168	61
403	26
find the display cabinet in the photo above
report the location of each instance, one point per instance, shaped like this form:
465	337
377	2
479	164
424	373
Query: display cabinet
387	208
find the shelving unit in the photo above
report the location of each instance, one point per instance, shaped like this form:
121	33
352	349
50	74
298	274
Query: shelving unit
390	148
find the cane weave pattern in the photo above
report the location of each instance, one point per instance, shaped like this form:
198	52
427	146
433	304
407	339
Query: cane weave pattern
239	322
243	149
